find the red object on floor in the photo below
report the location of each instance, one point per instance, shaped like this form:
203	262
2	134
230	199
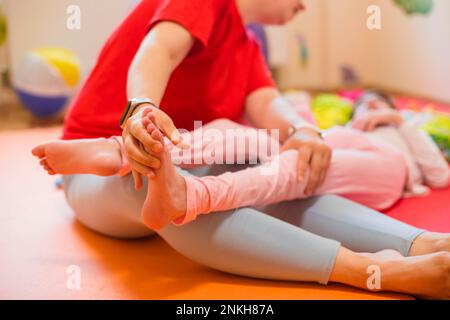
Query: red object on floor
430	213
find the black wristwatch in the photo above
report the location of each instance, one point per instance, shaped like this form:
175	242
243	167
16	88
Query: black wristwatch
131	107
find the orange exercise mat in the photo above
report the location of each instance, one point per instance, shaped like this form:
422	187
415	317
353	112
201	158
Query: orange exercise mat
40	240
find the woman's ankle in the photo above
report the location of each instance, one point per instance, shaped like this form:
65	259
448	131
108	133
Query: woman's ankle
430	242
354	269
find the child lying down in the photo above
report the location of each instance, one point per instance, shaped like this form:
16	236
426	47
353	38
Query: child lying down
377	114
363	169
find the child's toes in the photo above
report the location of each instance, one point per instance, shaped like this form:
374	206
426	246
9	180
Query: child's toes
151	117
146	112
157	135
49	170
150	128
146	121
39	151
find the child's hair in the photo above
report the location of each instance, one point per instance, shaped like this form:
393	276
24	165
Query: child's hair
379	94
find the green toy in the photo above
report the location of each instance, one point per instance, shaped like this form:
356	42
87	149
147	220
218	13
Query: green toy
416	6
331	110
439	129
3	28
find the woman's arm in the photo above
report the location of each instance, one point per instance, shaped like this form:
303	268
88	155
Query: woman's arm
433	166
162	50
266	108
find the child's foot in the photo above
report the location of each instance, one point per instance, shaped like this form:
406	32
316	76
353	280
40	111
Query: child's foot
88	156
166	196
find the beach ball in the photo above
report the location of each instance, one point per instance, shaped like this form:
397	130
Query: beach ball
3	29
46	80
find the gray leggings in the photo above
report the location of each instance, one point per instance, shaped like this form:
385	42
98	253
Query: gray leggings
296	241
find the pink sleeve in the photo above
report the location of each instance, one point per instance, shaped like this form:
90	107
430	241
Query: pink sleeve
434	168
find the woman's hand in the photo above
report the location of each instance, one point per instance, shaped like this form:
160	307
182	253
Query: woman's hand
377	118
314	154
141	148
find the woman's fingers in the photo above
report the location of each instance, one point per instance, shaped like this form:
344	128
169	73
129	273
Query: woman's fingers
323	174
140	161
137	180
317	167
169	130
136	152
139	132
139	168
304	157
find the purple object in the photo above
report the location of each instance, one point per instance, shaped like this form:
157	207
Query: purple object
260	35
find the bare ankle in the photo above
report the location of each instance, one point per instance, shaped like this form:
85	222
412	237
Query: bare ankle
430	242
352	268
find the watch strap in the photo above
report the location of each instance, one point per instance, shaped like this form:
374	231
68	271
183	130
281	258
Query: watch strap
301	125
132	105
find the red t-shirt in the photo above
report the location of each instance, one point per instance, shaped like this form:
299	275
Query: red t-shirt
213	81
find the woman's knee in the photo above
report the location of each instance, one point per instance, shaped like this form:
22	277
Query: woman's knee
97	207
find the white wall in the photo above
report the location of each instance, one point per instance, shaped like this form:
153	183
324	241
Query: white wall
413	53
409	54
309	25
37	23
333	39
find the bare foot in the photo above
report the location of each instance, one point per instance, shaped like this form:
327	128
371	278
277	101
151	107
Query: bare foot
166	195
426	276
430	242
85	156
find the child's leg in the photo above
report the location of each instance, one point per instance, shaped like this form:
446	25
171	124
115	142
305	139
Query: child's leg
372	174
224	141
103	157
